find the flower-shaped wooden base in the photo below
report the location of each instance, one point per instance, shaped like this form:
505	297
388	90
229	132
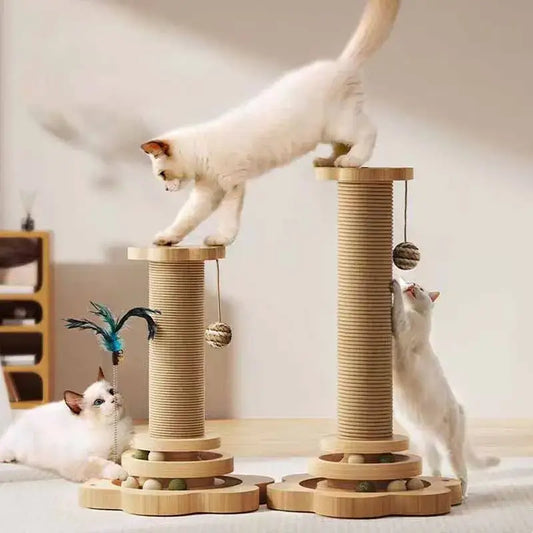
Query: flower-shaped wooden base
209	488
305	493
238	494
330	488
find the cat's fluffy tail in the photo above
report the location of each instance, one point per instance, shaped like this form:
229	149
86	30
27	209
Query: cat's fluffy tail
373	30
479	462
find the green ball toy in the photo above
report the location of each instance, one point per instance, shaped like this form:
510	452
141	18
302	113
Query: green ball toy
386	458
141	454
365	486
177	484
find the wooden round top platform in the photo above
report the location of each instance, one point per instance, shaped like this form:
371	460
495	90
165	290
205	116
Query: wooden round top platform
364	174
175	254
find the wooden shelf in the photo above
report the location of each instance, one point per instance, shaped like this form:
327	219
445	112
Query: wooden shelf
36	296
42	296
32	369
35	328
26	404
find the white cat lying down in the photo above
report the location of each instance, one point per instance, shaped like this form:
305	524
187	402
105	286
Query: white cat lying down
73	437
318	103
424	402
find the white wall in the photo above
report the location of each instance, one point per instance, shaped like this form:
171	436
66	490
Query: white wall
451	94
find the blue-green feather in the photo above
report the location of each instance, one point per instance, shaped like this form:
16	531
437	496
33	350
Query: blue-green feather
113	343
141	312
105	314
110	339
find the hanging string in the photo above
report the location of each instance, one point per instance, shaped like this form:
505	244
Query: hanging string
218	293
405	255
218	334
115	414
405	213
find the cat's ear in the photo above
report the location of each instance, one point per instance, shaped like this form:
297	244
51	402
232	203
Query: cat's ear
156	148
434	295
73	401
101	376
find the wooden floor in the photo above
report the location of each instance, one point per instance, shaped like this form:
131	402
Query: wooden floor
301	437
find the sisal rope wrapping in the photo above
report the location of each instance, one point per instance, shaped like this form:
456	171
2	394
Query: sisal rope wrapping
177	382
364	397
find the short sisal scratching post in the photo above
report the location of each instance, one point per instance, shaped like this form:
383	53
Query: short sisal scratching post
338	486
177	387
176	428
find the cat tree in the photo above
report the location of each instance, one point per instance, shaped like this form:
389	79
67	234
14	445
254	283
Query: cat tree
177	405
334	485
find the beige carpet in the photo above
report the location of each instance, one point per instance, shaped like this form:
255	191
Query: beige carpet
500	501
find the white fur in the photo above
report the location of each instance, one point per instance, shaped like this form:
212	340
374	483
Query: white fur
5	409
77	447
423	400
318	103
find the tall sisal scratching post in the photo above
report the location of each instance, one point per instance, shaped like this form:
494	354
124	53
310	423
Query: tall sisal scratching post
188	477
364	407
351	479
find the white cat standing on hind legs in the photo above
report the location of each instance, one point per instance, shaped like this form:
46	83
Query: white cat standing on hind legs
423	401
318	103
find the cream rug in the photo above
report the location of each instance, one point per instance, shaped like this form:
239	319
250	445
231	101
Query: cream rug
500	501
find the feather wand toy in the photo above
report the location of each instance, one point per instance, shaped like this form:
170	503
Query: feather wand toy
111	341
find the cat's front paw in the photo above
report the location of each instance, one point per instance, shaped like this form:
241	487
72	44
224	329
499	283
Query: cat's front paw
219	239
166	238
350	161
114	471
395	286
323	161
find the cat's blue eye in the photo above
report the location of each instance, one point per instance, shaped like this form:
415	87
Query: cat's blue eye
98	402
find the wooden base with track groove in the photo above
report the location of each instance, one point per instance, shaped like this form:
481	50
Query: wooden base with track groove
235	494
305	493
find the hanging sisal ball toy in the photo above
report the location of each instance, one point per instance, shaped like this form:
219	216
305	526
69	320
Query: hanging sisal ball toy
218	334
405	255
